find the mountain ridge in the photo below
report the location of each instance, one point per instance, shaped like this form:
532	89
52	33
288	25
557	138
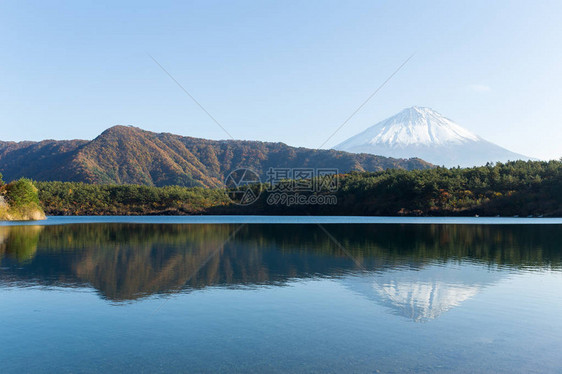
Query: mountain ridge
130	155
428	135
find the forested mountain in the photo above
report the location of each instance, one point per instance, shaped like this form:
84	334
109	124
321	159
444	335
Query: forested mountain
129	155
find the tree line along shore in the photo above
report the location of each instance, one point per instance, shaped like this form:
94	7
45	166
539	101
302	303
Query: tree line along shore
524	188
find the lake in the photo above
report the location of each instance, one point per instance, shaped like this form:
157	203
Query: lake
281	294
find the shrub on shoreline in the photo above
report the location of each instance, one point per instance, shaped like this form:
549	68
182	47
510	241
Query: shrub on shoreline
19	201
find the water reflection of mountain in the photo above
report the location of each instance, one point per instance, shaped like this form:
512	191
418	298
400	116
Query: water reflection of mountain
125	262
422	294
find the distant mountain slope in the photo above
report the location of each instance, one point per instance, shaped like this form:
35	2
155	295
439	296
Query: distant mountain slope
37	159
129	155
424	133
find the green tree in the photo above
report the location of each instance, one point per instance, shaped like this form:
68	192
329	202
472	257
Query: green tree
22	192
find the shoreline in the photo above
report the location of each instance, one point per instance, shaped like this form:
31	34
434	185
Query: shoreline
250	219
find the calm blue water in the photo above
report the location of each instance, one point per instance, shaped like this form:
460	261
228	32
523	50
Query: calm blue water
159	295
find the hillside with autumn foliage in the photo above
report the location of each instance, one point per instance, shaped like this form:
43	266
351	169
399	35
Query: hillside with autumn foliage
129	155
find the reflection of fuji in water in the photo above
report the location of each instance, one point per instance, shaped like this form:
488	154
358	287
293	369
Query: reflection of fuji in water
425	301
424	293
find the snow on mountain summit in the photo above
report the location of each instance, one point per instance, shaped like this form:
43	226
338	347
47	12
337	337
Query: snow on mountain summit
414	125
424	133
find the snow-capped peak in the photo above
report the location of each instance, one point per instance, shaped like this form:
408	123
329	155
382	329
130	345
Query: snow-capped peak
413	126
426	134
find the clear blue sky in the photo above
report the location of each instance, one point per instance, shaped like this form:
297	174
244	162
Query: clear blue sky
289	71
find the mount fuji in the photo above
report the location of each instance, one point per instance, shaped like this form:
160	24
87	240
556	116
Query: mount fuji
426	134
